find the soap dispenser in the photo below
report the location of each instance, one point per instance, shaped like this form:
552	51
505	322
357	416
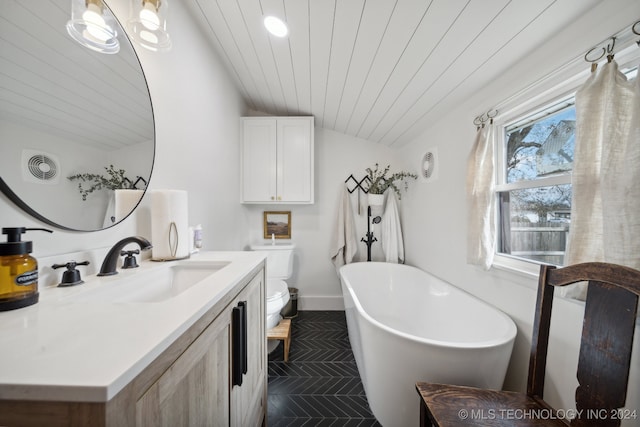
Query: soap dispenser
18	270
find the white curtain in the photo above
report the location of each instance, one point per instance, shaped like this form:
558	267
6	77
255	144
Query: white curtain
605	208
481	199
390	229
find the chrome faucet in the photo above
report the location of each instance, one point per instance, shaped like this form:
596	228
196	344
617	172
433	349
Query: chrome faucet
109	265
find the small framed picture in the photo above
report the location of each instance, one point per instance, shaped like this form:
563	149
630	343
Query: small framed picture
277	224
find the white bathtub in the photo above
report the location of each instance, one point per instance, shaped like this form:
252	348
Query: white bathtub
406	325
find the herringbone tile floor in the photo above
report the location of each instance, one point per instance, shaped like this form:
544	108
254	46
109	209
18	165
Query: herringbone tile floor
320	385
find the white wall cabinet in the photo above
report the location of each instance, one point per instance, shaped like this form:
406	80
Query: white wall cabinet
277	160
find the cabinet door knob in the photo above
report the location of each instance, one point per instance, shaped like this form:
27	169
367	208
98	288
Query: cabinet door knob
272	197
279	197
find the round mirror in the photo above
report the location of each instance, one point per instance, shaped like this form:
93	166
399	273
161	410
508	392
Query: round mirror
76	125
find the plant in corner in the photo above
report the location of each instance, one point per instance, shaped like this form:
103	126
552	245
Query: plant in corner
381	180
114	180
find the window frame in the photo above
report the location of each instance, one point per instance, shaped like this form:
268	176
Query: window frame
549	106
548	109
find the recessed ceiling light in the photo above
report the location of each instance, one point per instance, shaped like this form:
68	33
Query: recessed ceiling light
276	26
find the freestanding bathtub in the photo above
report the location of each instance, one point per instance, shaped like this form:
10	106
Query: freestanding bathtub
406	325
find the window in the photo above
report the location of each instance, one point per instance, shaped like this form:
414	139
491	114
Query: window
535	139
534	188
535	159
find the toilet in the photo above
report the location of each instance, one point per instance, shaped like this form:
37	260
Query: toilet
279	268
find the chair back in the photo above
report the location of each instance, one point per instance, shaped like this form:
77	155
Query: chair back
607	334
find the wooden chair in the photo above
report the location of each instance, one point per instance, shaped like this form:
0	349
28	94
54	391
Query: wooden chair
603	361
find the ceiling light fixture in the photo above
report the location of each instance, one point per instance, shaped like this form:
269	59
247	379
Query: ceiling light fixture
93	26
276	26
148	24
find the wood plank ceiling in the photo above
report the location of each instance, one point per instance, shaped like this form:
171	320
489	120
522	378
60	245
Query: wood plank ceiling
51	83
382	70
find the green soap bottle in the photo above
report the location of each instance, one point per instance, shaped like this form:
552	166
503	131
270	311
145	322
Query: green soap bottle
18	270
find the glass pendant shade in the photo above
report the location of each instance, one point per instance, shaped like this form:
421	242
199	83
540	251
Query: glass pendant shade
93	25
148	24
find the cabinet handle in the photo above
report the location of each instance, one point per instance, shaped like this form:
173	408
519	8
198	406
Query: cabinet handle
239	343
236	345
245	336
272	198
279	197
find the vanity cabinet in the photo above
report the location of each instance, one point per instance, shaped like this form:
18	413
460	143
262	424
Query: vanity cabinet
249	400
198	388
277	160
195	389
191	383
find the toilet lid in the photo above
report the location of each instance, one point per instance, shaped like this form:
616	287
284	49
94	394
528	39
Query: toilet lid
276	289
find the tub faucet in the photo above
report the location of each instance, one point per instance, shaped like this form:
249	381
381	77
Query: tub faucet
370	239
110	262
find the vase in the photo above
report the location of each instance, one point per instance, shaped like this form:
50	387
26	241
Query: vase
376	199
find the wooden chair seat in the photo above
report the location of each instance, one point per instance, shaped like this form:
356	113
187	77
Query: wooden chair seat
453	405
603	361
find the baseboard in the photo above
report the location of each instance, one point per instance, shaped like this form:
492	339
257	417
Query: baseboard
321	303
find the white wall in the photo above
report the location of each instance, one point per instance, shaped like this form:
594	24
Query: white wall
197	113
435	213
197	125
73	158
336	157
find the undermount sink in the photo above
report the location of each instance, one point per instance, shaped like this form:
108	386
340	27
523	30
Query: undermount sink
155	284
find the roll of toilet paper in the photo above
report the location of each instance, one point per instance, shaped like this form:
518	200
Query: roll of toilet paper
169	225
125	201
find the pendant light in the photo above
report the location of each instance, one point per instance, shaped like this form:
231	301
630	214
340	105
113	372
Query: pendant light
148	24
93	26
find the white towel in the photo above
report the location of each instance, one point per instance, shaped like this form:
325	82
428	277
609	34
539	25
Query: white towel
109	216
126	201
391	231
344	243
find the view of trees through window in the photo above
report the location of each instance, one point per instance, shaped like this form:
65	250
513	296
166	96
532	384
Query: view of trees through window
535	217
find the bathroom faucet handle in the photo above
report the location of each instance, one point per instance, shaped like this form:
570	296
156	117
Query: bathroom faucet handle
70	277
71	265
131	252
130	259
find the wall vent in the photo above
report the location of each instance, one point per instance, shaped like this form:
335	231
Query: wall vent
429	165
40	167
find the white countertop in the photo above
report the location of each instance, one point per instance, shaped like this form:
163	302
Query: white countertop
61	350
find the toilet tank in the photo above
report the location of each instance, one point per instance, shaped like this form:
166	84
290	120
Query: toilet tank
279	259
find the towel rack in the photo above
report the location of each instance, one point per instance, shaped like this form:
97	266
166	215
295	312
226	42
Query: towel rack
135	184
357	186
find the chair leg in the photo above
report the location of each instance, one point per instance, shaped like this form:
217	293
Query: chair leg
425	421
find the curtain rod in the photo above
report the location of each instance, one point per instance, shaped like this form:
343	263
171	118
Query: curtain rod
623	39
